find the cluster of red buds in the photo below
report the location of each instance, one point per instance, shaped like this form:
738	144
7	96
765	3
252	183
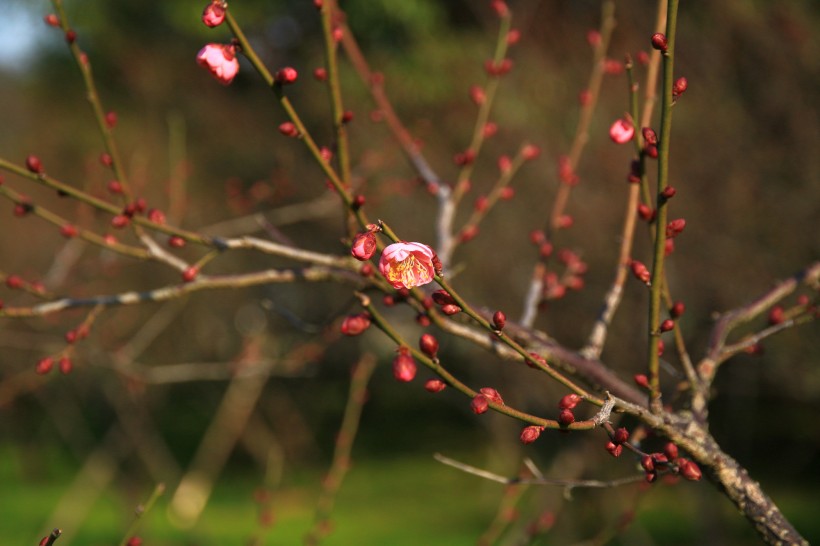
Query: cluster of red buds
654	463
481	401
446	303
615	444
566	405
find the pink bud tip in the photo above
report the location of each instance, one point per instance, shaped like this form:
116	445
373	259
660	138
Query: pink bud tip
51	20
320	74
641	380
621	435
671	451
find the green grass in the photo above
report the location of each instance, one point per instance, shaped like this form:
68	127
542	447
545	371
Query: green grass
405	501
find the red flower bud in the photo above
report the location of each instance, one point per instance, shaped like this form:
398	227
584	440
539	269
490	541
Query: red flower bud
353	325
435	385
648	463
44	365
175	241
530	434
320	74
288	129
14	282
214	14
120	221
569	401
111	119
404	367
659	41
679	87
621	131
530	152
641	380
614	449
645	212
668	192
450	309
464	158
477	95
492	395
286	75
667	325
776	315
689	470
677	309
442	297
641	272
566	417
190	273
428	345
51	20
621	435
671	451
675	227
68	231
649	136
499	320
33	164
479	404
65	365
364	246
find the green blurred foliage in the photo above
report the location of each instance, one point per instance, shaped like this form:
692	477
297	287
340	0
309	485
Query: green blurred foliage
745	162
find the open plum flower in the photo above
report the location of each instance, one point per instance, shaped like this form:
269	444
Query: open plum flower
407	265
220	60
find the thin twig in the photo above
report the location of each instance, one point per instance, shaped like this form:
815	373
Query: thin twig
568	484
344	445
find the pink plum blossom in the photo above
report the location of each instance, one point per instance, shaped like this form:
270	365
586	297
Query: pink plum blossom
220	60
407	265
621	131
